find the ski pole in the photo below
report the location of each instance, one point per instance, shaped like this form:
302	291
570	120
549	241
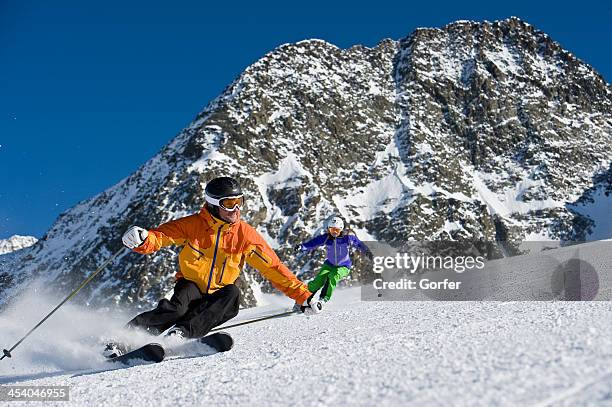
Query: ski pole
250	321
7	353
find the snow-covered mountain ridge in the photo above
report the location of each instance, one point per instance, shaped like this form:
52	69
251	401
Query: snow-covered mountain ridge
486	131
16	242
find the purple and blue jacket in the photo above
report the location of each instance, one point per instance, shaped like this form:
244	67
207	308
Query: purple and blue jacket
337	248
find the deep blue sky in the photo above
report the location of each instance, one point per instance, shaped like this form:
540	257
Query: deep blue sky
90	90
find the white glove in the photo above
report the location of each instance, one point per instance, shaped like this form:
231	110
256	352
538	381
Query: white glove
134	237
315	308
311	307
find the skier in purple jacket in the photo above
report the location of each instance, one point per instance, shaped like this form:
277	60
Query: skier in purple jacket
338	262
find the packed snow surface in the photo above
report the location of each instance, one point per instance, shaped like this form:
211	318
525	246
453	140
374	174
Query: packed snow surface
354	353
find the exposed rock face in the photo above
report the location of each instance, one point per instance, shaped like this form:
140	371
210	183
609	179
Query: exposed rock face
472	131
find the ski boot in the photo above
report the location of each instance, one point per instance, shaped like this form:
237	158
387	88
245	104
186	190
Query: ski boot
176	334
114	349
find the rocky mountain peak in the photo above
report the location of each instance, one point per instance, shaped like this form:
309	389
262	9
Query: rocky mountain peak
476	130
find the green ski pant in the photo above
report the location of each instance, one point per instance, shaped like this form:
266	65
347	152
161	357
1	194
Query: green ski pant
327	279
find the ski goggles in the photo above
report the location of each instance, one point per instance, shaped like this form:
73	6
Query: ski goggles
335	231
230	203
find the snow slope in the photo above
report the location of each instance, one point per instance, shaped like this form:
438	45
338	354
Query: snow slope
356	353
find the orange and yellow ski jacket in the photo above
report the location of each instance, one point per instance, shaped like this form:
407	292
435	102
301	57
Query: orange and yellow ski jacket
214	253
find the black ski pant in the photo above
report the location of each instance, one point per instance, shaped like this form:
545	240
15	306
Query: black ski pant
195	313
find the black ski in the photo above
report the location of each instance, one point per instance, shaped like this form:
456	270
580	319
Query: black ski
150	353
155	353
219	341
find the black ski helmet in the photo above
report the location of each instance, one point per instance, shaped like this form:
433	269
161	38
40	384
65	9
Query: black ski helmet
222	187
219	188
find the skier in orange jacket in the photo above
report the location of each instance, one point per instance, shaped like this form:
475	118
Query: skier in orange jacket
216	244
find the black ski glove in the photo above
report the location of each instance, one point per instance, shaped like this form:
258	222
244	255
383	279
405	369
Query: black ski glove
306	304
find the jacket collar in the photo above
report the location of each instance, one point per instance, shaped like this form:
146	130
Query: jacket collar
215	223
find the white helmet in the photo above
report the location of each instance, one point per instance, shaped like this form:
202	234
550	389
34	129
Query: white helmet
335	222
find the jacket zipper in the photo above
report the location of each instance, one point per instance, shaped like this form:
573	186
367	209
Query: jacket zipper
212	266
335	253
196	250
260	256
222	270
